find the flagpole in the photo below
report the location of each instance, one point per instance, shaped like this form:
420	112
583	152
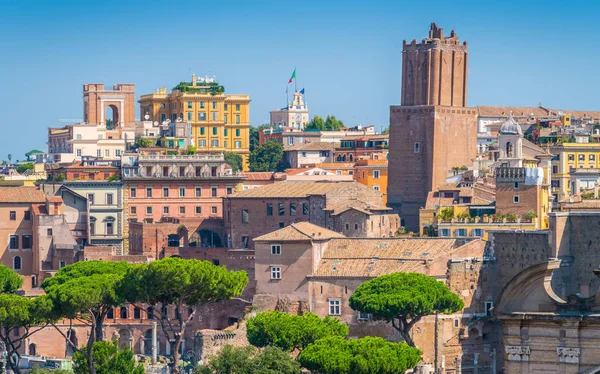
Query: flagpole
295	87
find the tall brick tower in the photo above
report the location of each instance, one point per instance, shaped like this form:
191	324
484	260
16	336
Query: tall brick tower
433	130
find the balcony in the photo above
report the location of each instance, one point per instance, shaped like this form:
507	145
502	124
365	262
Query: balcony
187	176
182	158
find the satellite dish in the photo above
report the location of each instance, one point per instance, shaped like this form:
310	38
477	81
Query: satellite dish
146	117
155	123
571	200
165	122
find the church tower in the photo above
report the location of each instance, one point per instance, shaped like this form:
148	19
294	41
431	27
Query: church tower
433	130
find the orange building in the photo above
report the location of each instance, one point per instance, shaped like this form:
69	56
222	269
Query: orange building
373	174
88	169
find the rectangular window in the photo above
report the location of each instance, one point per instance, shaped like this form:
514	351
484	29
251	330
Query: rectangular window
581	157
189	105
201	116
516	199
198	192
335	307
202	105
281	209
148	191
27	215
237	132
488	308
181	191
269	209
165	192
214	129
245	216
165	210
214	105
275	272
13	215
62	264
215	143
49	232
27	241
237	119
363	317
281	225
202	130
417	147
304	209
292	209
181	210
79	153
133	210
237	144
14	242
376	174
554	169
225	143
592	157
478	233
571	157
445	233
225	120
107	153
244	242
461	233
98	152
182	171
275	249
132	192
456	323
213	191
109	199
202	143
225	106
516	185
376	187
189	116
237	107
198	210
109	228
229	190
148	210
213	210
215	116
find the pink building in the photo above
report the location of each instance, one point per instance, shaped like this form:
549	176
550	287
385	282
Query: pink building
161	187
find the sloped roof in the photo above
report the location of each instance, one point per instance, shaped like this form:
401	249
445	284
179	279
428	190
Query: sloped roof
290	189
258	175
358	257
21	195
315	146
300	231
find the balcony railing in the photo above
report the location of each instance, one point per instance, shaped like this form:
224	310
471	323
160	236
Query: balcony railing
186	176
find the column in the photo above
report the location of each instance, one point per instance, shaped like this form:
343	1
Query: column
142	346
459	365
493	359
154	346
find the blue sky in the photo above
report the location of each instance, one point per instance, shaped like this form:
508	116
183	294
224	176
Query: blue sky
347	54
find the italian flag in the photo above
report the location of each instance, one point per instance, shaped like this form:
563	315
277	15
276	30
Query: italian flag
293	76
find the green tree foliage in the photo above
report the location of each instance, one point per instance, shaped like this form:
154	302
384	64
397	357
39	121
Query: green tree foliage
24	315
179	284
145	143
33	152
234	160
329	124
254	135
191	150
24	167
336	355
86	291
108	359
266	157
249	360
9	158
316	123
386	130
290	332
403	299
39	370
10	281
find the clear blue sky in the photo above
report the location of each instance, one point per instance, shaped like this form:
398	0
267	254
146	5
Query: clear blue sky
347	54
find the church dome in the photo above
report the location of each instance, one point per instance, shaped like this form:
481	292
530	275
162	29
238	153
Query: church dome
511	127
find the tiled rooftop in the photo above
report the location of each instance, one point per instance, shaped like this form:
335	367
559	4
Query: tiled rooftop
300	231
290	189
316	146
21	195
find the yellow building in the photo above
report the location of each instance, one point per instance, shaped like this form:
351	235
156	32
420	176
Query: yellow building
574	167
220	122
373	174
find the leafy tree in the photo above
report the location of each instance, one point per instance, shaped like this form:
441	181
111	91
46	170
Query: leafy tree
40	370
10	281
9	158
266	157
248	360
191	150
403	299
290	332
386	130
333	124
108	359
235	160
116	177
254	135
22	168
86	291
336	355
25	316
316	123
145	143
179	284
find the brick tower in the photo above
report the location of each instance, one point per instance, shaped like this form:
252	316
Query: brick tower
433	130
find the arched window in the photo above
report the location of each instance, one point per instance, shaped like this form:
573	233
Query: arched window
339	158
351	158
110	314
344	157
150	312
509	149
17	263
123	313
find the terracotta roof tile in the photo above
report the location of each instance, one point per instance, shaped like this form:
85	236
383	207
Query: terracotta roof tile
300	231
21	195
290	189
367	137
258	175
316	146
